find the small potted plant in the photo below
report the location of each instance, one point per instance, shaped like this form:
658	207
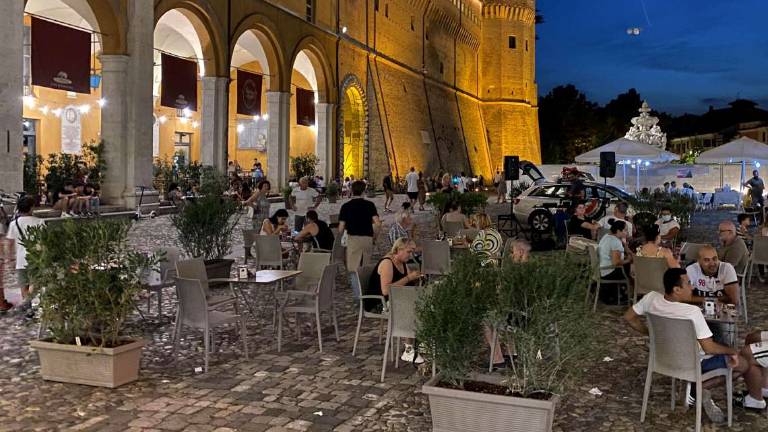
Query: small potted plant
332	192
91	278
205	225
287	191
538	308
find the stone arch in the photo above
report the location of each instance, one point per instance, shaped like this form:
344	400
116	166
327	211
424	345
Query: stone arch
266	32
207	28
352	91
314	50
102	18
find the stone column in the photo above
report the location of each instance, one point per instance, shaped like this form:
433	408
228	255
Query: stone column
11	87
213	127
114	122
278	141
324	120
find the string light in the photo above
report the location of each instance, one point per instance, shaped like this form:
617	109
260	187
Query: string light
84	108
195	124
183	120
162	119
102	102
56	112
29	101
240	128
186	112
256	117
44	109
265	117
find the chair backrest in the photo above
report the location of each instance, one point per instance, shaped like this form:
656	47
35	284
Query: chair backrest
312	265
594	260
326	286
333	218
507	249
649	274
338	253
249	237
193	307
602	232
674	350
360	279
691	250
402	309
760	250
436	257
168	265
452	228
193	269
269	252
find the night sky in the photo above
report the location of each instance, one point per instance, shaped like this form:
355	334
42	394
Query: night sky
690	54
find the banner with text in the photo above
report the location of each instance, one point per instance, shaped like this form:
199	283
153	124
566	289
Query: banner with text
61	57
305	107
178	85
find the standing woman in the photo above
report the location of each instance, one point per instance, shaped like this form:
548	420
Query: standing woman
422	184
260	203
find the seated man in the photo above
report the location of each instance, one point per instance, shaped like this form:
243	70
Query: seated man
678	292
712	278
619	213
742	230
316	232
756	350
668	227
733	250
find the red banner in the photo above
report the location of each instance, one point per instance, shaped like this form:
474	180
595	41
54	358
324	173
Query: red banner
61	57
178	86
248	93
305	107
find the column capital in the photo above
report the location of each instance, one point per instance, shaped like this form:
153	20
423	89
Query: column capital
114	62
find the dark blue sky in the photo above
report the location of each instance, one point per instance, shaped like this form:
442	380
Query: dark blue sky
694	53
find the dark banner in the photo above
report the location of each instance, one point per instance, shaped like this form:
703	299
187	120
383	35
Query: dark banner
178	88
305	107
248	93
61	57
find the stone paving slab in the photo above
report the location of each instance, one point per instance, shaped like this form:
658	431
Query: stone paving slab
301	389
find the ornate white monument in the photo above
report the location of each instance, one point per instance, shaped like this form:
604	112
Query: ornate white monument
646	130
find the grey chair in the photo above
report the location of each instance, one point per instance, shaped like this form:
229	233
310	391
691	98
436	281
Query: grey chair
195	269
601	232
314	302
675	352
167	272
597	277
269	252
649	275
359	280
744	275
435	257
452	228
311	265
402	320
193	312
249	238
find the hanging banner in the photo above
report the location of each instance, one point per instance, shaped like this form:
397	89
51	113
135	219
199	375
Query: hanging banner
71	130
248	93
178	85
305	107
61	57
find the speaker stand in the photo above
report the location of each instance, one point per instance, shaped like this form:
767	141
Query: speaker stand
509	224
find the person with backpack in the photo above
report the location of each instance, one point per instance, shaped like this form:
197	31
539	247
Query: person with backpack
17	231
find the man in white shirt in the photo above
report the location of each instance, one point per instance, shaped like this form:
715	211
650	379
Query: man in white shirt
412	181
463	182
712	278
619	213
303	199
17	232
673	304
668	227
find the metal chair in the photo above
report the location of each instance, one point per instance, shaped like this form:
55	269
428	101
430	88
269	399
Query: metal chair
310	302
163	278
402	319
249	237
435	257
452	228
744	276
193	312
269	252
597	276
649	275
311	265
675	352
359	280
195	269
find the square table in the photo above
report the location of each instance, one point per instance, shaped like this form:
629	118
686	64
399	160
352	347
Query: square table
261	277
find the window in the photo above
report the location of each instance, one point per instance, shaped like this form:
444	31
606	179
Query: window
181	145
310	11
512	42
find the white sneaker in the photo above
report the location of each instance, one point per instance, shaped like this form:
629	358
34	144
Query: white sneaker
409	354
66	215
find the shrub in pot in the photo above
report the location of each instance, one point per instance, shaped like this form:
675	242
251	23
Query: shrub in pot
538	309
90	278
286	191
204	226
332	192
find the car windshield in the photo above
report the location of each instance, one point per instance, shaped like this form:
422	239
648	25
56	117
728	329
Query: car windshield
617	192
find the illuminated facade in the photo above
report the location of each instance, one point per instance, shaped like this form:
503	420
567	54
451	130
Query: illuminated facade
435	84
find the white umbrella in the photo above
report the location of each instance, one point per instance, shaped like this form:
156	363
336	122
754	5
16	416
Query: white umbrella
741	150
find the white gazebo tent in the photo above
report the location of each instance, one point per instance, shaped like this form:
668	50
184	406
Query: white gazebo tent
742	150
627	151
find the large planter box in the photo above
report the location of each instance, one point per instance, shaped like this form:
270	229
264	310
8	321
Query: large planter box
462	411
103	367
218	268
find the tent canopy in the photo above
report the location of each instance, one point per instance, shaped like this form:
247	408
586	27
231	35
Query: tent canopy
740	150
627	149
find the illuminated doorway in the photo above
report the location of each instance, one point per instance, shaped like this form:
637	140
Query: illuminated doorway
353	138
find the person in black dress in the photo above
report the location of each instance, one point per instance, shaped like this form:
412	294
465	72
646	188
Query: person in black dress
316	232
581	225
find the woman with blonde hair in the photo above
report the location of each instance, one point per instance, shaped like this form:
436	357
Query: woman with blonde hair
488	241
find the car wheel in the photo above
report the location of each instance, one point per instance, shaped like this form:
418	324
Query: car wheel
540	221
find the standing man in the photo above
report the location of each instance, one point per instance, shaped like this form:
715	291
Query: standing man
389	193
17	231
412	182
359	218
303	198
497	179
462	183
756	188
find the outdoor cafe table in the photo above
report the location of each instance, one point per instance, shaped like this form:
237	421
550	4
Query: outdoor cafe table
724	327
260	278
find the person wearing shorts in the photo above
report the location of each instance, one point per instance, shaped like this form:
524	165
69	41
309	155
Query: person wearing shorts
412	186
389	193
756	350
17	231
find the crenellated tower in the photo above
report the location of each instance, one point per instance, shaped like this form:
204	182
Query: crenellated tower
508	78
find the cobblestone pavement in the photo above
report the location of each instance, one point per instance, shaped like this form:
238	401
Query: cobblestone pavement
301	389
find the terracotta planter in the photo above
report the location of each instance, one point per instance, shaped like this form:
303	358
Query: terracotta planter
103	367
461	411
218	268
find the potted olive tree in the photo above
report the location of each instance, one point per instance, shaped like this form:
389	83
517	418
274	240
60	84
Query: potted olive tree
90	279
286	191
205	224
332	192
539	312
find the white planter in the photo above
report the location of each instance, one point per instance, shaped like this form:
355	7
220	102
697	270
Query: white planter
103	367
462	411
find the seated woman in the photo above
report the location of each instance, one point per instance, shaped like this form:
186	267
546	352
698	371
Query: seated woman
652	246
454	214
488	241
315	232
520	251
174	194
615	258
276	224
581	225
65	198
392	270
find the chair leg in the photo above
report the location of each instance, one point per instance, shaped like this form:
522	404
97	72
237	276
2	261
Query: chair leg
335	323
212	336
206	347
729	396
674	391
279	330
396	352
698	406
159	303
646	393
176	337
298	327
493	349
357	331
381	330
319	332
386	351
243	332
597	294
